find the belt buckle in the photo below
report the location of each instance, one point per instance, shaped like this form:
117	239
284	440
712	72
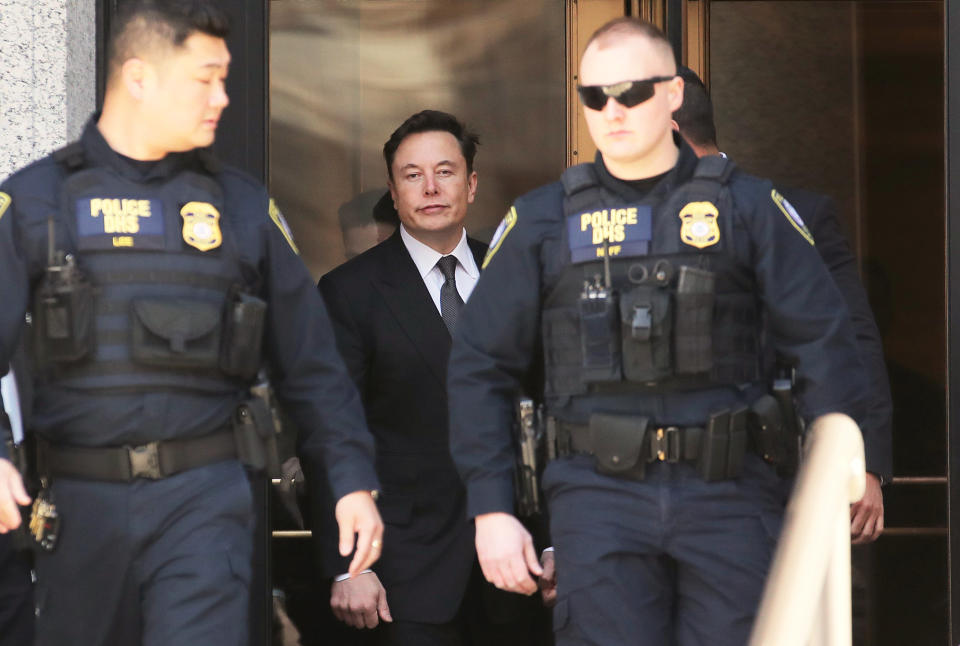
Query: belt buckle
145	461
665	444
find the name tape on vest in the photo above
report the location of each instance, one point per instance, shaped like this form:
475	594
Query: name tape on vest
119	223
627	231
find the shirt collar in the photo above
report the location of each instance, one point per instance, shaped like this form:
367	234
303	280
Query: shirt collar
425	257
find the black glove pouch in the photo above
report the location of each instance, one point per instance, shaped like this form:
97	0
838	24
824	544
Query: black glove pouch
175	333
618	443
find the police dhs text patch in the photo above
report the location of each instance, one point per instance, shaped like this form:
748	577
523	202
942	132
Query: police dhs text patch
120	223
625	231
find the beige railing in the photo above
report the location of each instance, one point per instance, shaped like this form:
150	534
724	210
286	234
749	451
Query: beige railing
806	601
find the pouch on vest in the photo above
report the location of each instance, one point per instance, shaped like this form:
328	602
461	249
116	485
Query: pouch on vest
599	336
63	315
646	321
693	333
243	335
618	442
175	333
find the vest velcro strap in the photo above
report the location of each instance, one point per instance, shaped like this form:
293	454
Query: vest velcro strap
578	177
112	368
164	277
714	167
152	461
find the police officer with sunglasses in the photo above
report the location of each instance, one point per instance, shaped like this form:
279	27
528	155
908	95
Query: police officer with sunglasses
650	290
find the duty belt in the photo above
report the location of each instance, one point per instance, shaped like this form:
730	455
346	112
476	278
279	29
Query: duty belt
663	443
152	461
622	444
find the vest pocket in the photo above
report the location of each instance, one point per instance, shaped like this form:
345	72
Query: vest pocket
693	334
175	333
646	318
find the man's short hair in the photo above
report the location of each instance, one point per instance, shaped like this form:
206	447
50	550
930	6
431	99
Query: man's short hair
629	26
695	115
142	24
432	121
384	212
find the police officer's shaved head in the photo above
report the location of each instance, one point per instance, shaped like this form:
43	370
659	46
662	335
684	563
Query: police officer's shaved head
614	31
148	27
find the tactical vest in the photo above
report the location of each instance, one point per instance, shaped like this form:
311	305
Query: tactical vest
155	296
672	310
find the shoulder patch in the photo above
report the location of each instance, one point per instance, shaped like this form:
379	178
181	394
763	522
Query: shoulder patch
791	214
4	203
506	225
281	223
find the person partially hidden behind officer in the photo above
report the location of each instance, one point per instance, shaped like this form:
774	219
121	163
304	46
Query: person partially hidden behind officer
394	309
659	286
158	281
695	122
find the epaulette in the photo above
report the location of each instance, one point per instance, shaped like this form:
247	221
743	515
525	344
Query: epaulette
71	156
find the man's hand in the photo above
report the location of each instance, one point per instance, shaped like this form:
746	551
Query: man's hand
548	580
358	517
12	493
506	554
360	602
866	515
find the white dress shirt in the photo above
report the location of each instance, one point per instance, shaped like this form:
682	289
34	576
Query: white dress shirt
425	258
11	403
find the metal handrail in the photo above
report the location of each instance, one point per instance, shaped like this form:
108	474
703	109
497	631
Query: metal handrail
806	600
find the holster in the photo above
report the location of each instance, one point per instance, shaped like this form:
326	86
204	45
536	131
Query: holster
768	431
256	437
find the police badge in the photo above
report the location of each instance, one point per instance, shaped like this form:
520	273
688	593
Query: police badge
201	225
699	224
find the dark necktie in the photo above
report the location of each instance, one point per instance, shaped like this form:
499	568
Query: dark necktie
450	301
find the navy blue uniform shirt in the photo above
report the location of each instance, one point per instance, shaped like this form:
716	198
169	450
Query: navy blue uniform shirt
306	370
820	214
498	337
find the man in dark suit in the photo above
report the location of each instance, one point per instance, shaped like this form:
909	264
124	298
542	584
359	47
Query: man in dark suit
394	308
819	212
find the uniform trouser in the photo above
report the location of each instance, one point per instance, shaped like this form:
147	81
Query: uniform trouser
669	561
149	563
16	596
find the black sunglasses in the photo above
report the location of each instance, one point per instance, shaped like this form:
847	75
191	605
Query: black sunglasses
626	93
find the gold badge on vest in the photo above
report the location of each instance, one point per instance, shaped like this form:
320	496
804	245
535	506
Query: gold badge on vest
699	224
201	225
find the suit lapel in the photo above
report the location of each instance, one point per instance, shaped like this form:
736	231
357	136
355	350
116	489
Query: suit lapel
399	283
478	249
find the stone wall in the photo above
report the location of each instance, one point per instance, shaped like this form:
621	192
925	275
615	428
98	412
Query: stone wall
47	76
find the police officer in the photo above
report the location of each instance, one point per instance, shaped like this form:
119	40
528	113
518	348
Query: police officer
154	277
695	123
655	288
